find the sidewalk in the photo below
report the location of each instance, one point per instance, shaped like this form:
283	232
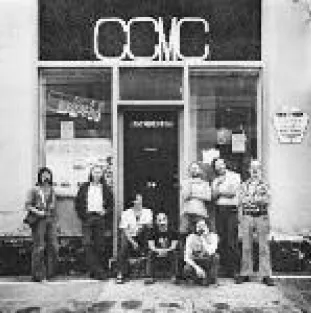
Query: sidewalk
64	296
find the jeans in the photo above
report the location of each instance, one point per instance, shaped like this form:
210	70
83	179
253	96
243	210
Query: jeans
127	250
170	260
208	263
227	229
45	248
260	225
93	229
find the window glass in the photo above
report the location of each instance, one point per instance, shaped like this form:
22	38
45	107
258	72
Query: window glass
151	83
77	104
223	110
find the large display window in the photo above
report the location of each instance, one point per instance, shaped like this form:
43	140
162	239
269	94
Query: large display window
223	117
78	134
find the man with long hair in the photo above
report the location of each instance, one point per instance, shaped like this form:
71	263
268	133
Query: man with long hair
42	219
94	206
200	255
162	245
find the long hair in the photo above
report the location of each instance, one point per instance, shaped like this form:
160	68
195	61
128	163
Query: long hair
41	171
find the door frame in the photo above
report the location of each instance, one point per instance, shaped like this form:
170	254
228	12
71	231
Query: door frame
179	109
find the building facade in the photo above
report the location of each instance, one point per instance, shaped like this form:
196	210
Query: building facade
146	119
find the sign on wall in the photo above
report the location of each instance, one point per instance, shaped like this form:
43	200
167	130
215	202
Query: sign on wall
291	125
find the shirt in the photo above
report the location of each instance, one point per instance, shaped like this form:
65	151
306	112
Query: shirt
132	223
254	193
95	198
199	246
229	182
196	192
163	240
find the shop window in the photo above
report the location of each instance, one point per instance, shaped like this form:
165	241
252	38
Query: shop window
77	104
151	83
223	112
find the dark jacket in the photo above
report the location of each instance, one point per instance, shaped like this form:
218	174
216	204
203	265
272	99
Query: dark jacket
81	204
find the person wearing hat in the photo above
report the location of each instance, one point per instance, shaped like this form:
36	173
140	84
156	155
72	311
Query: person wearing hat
200	255
254	198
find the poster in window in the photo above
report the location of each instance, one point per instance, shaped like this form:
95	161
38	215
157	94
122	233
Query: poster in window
71	160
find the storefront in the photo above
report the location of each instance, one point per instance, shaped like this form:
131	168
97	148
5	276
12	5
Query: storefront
145	125
149	112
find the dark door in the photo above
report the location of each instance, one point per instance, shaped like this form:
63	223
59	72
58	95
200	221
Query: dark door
151	160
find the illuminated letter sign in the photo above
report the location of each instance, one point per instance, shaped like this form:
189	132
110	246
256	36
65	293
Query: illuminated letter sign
167	50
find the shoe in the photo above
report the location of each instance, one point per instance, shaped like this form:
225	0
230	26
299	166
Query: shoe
120	279
241	279
149	281
212	281
37	279
205	282
268	281
101	276
176	280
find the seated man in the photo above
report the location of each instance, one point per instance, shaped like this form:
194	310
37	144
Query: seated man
135	225
162	244
200	255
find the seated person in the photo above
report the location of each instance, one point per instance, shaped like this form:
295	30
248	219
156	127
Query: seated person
200	255
135	225
162	243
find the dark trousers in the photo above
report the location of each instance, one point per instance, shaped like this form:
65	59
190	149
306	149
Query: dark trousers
227	230
127	250
170	261
45	248
93	229
209	264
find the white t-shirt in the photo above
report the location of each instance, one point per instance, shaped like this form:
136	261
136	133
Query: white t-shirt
134	224
95	198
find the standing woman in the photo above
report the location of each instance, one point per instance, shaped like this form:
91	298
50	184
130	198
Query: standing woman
42	219
94	206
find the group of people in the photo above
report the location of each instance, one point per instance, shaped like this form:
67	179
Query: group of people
214	215
234	209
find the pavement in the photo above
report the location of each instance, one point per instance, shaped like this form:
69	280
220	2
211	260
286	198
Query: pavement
90	296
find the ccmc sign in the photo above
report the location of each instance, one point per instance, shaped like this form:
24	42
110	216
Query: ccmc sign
166	48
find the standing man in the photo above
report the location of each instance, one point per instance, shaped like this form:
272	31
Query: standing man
42	219
200	255
196	192
224	190
162	244
254	198
94	206
135	225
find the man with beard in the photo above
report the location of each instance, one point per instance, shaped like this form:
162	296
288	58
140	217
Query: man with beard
200	255
162	244
196	193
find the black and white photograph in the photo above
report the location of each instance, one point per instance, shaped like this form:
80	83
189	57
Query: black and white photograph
155	156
